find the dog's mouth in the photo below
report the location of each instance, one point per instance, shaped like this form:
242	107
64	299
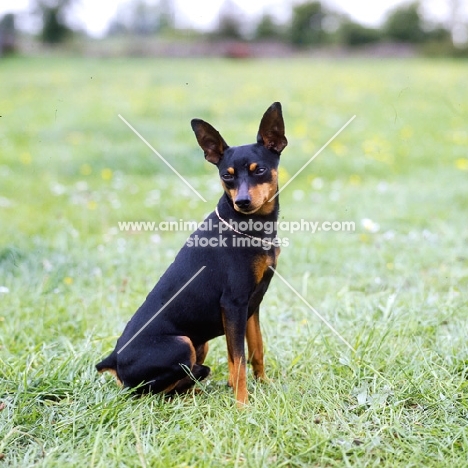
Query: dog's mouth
263	208
248	210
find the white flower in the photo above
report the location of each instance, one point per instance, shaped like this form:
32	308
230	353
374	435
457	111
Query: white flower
370	225
5	202
317	183
298	195
155	238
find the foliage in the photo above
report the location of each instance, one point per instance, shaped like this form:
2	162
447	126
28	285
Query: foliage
7	34
229	21
354	34
268	28
53	17
142	18
405	24
306	24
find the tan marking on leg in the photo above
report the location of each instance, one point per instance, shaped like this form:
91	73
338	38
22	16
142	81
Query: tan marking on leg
237	369
193	353
230	361
202	351
255	346
239	379
193	358
170	388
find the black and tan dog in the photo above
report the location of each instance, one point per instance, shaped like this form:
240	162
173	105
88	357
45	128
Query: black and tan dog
217	281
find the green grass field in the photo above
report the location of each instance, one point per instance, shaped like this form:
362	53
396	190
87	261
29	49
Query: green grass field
395	289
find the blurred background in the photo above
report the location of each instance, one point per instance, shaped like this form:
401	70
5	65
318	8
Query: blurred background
235	28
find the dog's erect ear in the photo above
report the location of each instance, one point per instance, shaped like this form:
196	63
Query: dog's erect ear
271	131
211	142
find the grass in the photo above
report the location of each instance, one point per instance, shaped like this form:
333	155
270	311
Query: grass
396	288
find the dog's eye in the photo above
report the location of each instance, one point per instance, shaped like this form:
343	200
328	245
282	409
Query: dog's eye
227	177
260	170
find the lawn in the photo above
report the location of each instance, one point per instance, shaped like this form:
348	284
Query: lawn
395	289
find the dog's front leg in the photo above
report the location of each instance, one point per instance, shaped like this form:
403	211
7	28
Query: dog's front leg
234	321
255	346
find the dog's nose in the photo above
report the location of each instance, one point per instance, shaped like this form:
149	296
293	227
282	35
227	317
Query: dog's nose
242	203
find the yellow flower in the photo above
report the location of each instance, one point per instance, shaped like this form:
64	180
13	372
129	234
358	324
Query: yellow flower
92	205
364	238
106	174
462	164
355	179
338	148
406	132
300	130
283	175
379	149
26	158
67	280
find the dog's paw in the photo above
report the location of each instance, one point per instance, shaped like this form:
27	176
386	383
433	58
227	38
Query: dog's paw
264	380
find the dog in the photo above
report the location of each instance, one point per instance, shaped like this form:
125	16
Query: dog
217	281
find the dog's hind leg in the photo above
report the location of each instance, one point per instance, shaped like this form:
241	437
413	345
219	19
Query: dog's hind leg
198	371
201	352
159	366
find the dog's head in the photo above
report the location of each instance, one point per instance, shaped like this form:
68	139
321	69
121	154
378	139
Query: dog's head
249	173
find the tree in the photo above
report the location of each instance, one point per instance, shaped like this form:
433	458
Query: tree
404	24
354	34
229	27
306	24
230	20
7	34
54	24
267	28
140	18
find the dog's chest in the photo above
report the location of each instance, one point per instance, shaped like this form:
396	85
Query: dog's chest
264	264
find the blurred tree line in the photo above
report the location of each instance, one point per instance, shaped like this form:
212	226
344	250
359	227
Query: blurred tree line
311	23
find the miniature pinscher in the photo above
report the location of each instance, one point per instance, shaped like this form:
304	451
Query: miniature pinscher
218	279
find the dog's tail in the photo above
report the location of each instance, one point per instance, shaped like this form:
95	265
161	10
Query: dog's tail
109	363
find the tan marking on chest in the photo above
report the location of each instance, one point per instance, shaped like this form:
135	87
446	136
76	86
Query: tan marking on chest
260	266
